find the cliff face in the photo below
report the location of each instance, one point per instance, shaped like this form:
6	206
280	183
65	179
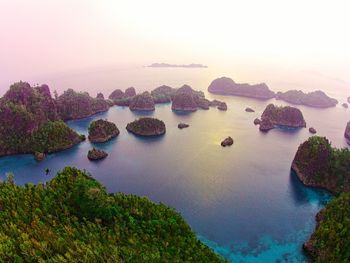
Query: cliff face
142	102
347	132
317	164
29	122
226	86
316	99
284	116
102	131
76	105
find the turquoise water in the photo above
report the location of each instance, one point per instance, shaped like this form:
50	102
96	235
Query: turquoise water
242	201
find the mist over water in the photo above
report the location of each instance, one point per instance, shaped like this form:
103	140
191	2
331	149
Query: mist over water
242	201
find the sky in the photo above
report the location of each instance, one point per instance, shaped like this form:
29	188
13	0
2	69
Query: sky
41	36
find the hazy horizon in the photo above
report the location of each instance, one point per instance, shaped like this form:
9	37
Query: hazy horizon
47	37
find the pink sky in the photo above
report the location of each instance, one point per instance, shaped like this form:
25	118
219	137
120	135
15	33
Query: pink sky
41	36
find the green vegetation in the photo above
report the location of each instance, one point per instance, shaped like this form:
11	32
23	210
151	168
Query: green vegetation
147	127
102	130
324	166
73	219
319	164
54	136
331	240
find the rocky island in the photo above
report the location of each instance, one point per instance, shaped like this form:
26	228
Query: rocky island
318	164
102	131
73	218
30	122
146	127
227	142
281	116
96	154
163	94
74	105
182	125
345	105
312	130
317	99
187	99
142	102
226	86
120	98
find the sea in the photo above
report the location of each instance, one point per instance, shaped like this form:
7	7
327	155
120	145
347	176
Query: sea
242	201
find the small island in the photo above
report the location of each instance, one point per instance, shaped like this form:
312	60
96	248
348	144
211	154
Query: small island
147	127
182	125
102	131
312	130
96	154
318	164
167	65
120	98
249	109
163	94
317	99
72	105
226	86
281	116
186	99
142	102
227	142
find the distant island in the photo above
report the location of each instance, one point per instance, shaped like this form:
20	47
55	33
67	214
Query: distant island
167	65
226	86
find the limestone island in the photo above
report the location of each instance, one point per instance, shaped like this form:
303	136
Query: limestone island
96	154
72	105
226	86
186	99
345	105
318	164
30	122
167	65
281	116
146	127
120	98
163	94
312	130
347	132
317	99
102	131
142	102
227	142
182	125
249	109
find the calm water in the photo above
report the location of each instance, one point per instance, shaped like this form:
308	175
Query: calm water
242	200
